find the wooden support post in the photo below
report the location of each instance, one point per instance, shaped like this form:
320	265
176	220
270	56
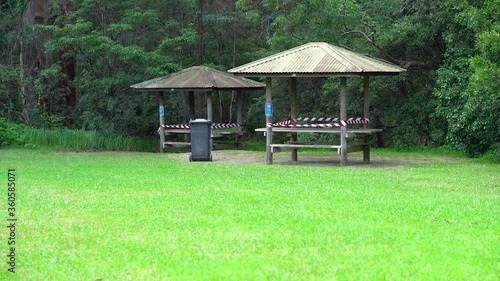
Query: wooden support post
189	100
209	114
293	112
343	116
239	118
200	104
366	100
221	117
192	113
366	114
209	105
161	109
269	119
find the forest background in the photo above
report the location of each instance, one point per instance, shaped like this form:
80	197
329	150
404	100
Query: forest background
70	64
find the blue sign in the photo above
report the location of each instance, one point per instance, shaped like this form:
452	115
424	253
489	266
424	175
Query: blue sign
162	111
269	109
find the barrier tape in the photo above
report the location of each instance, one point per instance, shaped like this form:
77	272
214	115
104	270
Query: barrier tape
187	126
176	126
292	123
225	125
318	119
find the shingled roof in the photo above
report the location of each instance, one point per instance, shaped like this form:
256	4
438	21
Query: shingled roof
317	59
197	78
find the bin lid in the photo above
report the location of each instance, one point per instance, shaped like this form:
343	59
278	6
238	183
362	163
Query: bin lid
204	121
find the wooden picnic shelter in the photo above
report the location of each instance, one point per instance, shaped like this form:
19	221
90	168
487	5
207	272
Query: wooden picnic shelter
205	81
318	59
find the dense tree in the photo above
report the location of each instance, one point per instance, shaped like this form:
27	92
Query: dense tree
72	63
469	97
386	29
114	45
14	98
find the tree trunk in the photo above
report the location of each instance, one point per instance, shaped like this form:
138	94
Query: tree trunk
67	94
23	87
201	32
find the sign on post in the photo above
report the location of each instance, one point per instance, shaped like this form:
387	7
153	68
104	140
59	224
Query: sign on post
162	111
269	110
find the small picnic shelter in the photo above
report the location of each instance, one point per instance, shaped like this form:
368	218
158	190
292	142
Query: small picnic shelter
318	59
205	81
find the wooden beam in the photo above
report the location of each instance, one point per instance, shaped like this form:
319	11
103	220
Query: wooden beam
269	119
239	118
343	116
293	112
161	110
210	114
366	114
191	105
209	105
201	103
220	107
366	100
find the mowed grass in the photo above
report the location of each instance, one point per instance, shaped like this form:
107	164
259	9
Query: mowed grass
139	216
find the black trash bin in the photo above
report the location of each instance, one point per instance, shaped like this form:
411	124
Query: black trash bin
201	143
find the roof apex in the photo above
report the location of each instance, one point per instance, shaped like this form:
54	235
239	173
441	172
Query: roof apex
317	58
197	78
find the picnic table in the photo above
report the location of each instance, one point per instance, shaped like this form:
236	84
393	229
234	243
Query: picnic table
352	146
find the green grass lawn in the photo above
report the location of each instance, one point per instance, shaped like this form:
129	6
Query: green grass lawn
139	216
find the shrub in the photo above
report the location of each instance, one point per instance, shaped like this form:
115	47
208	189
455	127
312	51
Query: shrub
10	134
495	152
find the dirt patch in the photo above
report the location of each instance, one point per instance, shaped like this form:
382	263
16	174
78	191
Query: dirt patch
319	159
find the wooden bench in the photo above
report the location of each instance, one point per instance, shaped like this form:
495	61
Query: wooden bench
296	145
291	146
176	144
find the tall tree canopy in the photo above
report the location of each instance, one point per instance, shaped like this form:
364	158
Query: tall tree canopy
70	63
469	85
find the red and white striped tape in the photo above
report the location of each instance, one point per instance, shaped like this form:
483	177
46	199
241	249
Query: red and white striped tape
328	125
187	126
225	125
358	120
176	126
318	119
292	123
284	123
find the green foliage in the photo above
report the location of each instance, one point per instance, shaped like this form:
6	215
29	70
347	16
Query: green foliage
10	79
10	10
187	38
111	55
73	140
80	140
401	32
449	95
468	92
495	152
10	134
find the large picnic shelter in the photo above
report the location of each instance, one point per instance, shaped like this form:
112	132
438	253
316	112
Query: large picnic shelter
205	81
318	59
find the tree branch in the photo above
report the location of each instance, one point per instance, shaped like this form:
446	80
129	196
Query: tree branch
371	38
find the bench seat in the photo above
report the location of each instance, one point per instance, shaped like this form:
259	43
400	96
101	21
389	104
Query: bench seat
296	145
291	146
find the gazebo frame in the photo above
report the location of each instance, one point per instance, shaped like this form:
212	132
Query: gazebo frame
318	59
197	79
